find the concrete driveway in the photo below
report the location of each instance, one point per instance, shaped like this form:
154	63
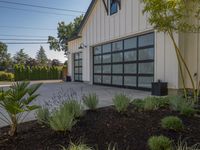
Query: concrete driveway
54	94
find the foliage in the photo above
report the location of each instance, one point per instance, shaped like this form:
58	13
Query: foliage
62	119
74	108
65	32
121	102
159	143
182	105
182	145
20	57
171	16
43	115
172	123
138	103
41	57
30	62
16	101
55	62
36	73
188	110
5	58
154	103
78	147
91	101
4	76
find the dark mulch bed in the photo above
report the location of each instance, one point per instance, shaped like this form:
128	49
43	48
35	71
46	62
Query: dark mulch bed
100	128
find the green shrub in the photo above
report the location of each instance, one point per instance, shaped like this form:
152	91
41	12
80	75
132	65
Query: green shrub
138	103
187	110
91	101
151	103
74	107
16	101
121	102
159	143
62	120
172	123
4	76
43	115
154	103
180	104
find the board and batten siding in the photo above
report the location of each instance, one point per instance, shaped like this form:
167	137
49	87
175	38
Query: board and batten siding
128	22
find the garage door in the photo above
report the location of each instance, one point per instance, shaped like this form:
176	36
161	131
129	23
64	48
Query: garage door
125	63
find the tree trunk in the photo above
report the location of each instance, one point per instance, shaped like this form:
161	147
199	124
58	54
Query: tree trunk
13	127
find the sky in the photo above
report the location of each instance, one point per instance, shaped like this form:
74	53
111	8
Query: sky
42	25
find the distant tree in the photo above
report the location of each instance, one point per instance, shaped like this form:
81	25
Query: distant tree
5	57
55	62
41	57
65	32
31	62
20	57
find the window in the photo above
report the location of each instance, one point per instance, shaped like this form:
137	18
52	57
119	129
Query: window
113	7
78	66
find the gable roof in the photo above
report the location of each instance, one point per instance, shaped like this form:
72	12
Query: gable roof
89	10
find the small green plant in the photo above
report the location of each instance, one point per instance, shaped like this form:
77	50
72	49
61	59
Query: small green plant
180	104
121	102
77	147
150	103
172	123
74	107
159	143
182	145
138	103
43	115
154	103
187	109
16	101
91	101
62	119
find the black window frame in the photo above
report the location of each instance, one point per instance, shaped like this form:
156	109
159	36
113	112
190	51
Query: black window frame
80	67
136	62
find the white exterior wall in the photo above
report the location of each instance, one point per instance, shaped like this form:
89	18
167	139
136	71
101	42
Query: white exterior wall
129	21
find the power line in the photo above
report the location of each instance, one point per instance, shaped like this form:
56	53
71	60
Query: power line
23	39
13	35
37	11
45	7
24	43
23	27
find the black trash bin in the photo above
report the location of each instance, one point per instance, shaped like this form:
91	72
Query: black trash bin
159	88
68	79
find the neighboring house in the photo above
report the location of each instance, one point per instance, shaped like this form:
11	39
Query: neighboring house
116	46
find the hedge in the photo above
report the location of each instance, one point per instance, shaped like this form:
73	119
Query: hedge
4	76
36	73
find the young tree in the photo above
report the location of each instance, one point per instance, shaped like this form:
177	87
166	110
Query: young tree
41	57
65	32
5	58
173	16
20	57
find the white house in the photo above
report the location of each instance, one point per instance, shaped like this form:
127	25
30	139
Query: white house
116	46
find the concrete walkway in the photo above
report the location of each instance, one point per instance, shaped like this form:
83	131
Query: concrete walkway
54	94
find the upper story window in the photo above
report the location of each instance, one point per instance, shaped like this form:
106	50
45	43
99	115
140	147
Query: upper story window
113	7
